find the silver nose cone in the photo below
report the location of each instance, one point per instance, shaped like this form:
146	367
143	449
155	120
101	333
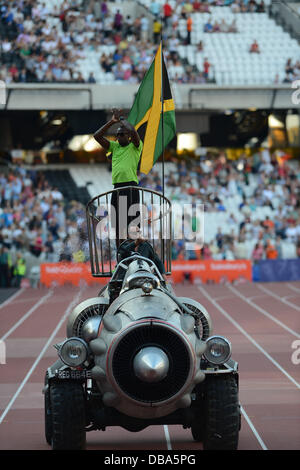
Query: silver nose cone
151	364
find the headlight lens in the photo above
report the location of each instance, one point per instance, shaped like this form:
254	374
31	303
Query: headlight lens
73	352
218	350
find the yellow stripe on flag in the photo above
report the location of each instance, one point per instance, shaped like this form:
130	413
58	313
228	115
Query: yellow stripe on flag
169	105
154	118
142	121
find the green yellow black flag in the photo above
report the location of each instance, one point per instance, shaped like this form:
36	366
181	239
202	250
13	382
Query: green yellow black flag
156	125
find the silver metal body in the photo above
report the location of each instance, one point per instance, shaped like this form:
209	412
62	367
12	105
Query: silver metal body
146	346
144	323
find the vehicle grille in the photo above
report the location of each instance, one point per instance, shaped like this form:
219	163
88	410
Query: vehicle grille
151	335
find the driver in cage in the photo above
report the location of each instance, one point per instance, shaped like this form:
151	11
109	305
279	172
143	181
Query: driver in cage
145	249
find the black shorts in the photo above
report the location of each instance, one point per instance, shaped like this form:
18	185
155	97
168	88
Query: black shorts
133	197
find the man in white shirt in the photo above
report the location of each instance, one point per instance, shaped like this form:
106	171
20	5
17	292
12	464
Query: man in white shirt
292	233
265	156
144	28
56	195
6	45
268	193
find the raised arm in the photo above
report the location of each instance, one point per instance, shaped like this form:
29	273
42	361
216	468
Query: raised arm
99	134
135	138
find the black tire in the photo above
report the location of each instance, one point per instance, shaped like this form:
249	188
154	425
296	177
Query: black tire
68	416
222	413
197	427
48	417
198	432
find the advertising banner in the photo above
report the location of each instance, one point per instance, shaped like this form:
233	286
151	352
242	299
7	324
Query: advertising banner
205	271
274	270
211	270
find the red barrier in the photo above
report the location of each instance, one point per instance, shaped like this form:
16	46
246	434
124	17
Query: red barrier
68	273
211	270
206	271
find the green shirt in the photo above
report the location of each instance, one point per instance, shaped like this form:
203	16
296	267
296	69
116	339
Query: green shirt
124	161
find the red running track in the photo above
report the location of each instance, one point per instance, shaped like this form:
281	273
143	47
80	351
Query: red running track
261	320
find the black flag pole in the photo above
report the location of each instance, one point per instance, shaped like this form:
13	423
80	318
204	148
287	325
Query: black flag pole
163	253
162	109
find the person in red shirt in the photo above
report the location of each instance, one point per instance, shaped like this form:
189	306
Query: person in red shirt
197	5
254	47
167	9
206	67
14	72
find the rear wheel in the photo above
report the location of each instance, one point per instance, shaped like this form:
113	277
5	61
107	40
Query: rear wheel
68	416
222	413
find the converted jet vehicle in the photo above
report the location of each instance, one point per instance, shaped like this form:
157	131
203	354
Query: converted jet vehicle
136	355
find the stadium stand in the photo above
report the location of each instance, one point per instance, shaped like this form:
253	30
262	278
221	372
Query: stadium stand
95	179
252	208
37	223
78	42
63	181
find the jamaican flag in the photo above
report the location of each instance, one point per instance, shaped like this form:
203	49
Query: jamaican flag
146	113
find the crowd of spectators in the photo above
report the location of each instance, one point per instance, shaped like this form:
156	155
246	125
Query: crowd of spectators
292	71
275	184
36	225
43	41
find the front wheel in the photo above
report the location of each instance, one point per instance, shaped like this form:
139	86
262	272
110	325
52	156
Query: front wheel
222	413
47	408
68	416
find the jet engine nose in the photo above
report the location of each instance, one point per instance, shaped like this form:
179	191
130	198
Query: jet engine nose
151	364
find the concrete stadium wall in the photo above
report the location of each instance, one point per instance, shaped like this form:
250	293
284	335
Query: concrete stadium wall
186	97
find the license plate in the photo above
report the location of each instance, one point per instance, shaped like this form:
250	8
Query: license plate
74	374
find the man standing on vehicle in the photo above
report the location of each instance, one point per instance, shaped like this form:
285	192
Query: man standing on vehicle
126	152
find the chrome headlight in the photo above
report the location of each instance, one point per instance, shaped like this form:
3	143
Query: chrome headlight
218	350
73	352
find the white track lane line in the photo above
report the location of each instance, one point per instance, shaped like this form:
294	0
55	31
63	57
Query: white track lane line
252	340
295	289
167	436
12	297
251	425
27	314
256	434
282	299
69	308
263	311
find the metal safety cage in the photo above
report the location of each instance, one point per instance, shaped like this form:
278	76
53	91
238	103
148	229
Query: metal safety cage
153	217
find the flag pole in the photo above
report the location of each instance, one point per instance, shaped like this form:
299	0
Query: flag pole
164	256
162	110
